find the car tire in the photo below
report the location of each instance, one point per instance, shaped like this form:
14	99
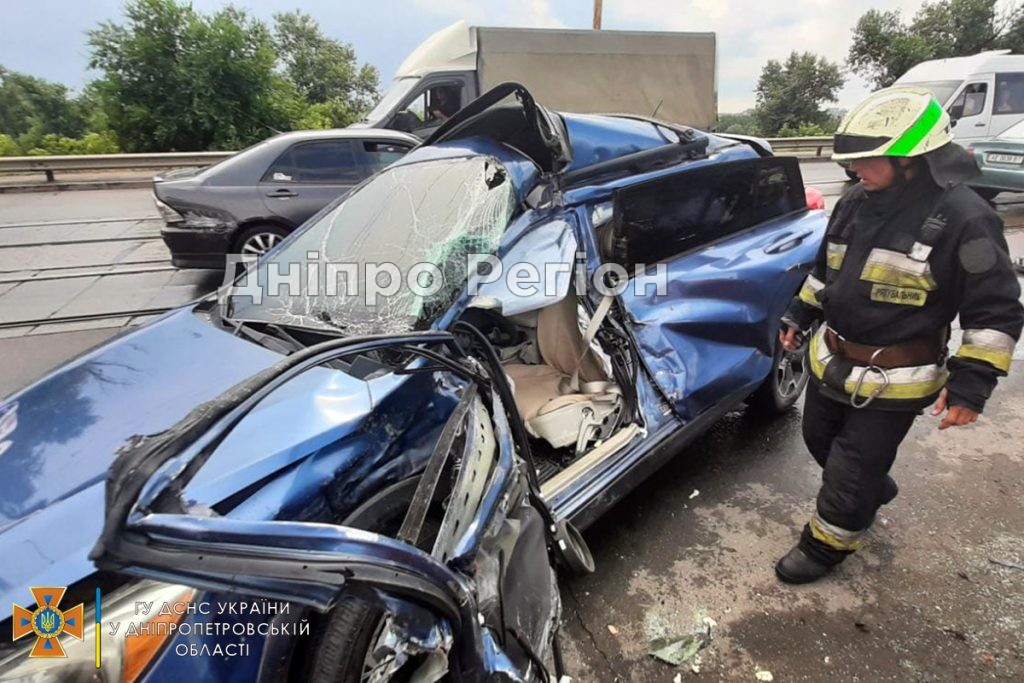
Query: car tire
347	629
339	644
784	384
258	239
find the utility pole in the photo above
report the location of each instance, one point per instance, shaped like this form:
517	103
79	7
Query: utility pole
597	15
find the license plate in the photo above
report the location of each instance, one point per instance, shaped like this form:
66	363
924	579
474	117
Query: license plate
1004	158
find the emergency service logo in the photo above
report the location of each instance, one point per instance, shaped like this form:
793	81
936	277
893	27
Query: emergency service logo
48	622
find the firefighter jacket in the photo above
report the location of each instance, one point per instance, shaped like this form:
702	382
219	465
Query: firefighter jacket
900	265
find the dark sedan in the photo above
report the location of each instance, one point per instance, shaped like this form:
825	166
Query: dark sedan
248	203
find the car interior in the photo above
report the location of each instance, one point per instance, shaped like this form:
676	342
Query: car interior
567	383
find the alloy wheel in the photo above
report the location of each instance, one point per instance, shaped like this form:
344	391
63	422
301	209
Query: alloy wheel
260	243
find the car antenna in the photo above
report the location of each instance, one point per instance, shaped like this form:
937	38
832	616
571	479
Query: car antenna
655	112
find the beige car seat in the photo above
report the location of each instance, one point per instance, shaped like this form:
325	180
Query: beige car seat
550	406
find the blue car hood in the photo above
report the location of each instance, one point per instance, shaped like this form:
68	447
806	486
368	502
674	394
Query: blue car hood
59	436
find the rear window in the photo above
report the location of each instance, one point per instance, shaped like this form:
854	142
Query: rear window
673	215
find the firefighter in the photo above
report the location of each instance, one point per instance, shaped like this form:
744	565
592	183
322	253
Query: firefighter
907	249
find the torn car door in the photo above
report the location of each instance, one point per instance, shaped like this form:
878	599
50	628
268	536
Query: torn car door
492	538
508	114
733	242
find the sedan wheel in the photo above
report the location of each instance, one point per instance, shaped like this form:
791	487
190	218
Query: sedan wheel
791	374
781	389
260	243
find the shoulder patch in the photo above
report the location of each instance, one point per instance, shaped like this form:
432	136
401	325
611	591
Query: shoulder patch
978	255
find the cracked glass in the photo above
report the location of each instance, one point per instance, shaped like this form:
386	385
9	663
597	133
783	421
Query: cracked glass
391	257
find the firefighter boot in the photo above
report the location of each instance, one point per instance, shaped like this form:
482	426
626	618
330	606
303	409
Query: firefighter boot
798	567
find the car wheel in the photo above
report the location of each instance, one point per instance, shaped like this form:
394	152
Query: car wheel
341	647
783	386
258	240
341	651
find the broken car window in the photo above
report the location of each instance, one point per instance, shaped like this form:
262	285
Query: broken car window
389	258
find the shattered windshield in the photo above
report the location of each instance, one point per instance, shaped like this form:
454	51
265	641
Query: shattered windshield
391	257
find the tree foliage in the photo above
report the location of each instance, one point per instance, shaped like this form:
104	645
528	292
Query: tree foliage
743	123
325	72
31	108
884	46
790	94
176	79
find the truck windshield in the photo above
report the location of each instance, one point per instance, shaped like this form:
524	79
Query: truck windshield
395	93
940	90
389	258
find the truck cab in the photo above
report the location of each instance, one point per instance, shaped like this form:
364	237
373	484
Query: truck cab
645	73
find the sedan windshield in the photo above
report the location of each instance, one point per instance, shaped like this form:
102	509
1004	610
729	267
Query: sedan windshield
389	258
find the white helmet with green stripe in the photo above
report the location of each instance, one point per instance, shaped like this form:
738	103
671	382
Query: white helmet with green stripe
902	121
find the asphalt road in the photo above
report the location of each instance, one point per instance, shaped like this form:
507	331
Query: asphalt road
938	594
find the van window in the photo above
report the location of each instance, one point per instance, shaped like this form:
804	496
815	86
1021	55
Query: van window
971	101
1009	94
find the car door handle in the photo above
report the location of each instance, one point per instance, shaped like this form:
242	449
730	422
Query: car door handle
283	192
786	243
979	125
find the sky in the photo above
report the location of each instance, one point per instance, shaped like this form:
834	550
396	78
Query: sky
47	37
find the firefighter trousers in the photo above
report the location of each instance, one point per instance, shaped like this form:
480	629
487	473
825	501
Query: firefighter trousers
855	448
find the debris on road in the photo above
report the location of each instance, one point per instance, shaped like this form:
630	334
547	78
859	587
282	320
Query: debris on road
613	630
676	650
1004	563
762	675
694	494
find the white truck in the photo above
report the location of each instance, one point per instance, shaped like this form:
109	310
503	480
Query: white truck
668	75
983	93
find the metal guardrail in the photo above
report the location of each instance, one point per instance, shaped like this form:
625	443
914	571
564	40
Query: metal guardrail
105	162
820	146
810	146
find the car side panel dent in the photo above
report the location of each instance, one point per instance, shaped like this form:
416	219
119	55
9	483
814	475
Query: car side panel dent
712	332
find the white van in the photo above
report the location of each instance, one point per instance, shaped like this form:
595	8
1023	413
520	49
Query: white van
983	93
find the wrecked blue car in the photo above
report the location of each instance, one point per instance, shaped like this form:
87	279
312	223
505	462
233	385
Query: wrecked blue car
323	474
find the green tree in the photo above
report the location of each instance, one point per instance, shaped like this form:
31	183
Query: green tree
32	107
9	146
791	93
743	123
884	47
174	79
324	71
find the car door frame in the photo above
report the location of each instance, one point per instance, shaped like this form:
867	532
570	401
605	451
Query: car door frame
786	242
975	127
271	191
466	82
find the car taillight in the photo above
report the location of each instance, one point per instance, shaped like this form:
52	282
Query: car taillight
815	199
